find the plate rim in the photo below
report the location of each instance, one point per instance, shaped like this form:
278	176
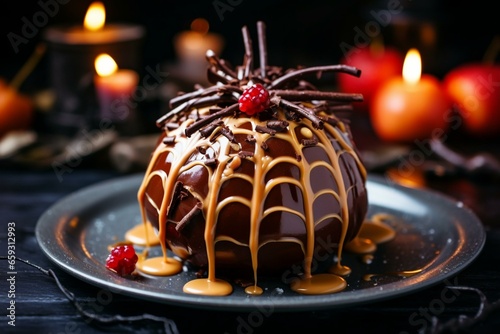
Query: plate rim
307	303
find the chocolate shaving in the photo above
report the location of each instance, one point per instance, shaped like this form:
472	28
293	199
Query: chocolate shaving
261	29
172	126
201	102
176	101
214	76
264	146
183	97
245	154
226	64
298	157
263	129
278	125
178	195
214	110
226	132
268	114
187	218
214	60
248	59
329	108
169	140
215	135
307	95
204	121
332	121
291	115
211	162
317	69
309	142
316	121
207	130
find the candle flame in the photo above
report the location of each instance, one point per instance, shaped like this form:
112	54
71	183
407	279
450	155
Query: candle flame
412	67
105	65
200	25
95	17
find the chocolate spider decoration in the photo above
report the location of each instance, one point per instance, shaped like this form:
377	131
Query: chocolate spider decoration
285	89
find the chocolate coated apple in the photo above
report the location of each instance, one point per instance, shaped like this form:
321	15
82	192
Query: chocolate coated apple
256	175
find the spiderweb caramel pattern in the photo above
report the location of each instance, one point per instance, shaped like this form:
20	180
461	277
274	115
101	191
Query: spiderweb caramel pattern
205	134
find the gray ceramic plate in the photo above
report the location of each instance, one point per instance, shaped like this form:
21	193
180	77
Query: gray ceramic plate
434	233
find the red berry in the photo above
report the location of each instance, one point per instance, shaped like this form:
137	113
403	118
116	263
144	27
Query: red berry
254	100
122	260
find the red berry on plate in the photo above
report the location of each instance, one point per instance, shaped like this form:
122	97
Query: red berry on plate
122	260
254	99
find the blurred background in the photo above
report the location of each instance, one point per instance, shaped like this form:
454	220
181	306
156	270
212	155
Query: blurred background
308	32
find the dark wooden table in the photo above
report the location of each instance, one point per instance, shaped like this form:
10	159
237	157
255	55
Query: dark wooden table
41	306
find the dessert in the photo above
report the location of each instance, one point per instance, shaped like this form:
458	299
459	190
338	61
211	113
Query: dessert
256	177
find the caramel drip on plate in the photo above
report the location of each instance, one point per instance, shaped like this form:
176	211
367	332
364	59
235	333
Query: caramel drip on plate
159	266
402	273
319	284
142	235
376	230
209	287
373	231
228	162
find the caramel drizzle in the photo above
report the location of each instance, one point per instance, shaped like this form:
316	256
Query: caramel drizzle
211	207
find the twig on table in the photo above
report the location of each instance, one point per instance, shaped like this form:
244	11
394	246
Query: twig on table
169	325
463	322
481	163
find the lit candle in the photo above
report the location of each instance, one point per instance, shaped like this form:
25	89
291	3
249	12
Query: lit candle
411	107
114	88
192	45
71	53
95	30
